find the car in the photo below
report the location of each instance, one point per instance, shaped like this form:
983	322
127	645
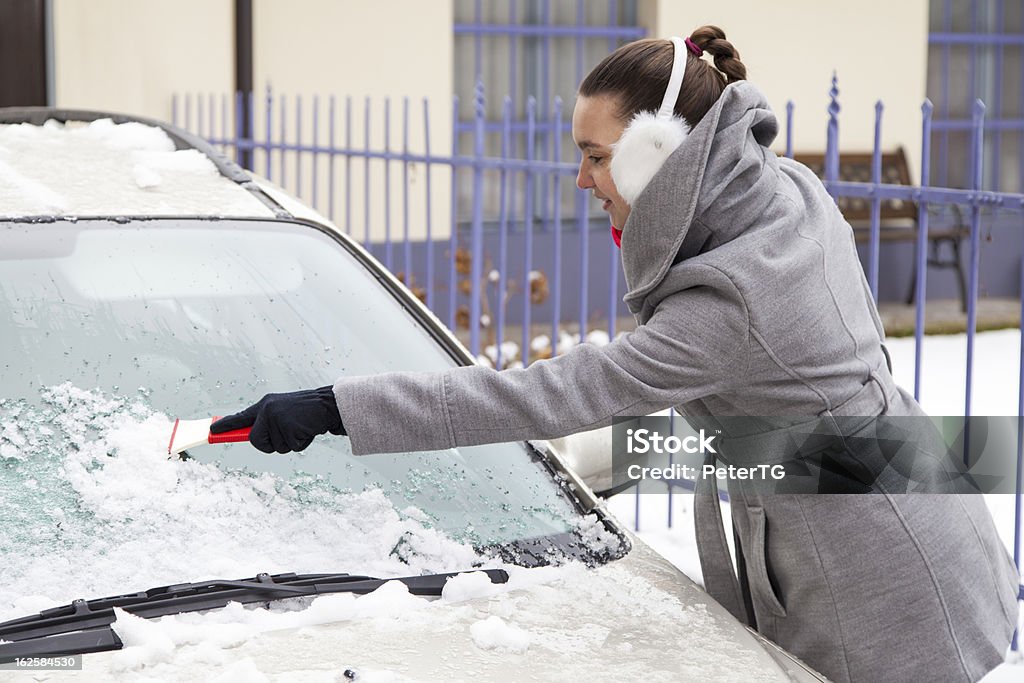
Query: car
145	277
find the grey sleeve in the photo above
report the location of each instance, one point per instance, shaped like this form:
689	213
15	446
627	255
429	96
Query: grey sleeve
691	347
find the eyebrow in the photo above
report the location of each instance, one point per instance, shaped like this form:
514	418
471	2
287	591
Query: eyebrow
585	144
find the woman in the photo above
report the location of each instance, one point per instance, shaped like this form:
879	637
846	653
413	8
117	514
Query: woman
750	301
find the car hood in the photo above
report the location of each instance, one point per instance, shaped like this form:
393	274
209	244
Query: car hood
637	618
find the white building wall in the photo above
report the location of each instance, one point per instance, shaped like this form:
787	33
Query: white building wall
878	48
129	56
376	50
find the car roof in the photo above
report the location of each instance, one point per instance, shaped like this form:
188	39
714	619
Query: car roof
63	163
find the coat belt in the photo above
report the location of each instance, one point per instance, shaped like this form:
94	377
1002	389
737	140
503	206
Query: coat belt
802	438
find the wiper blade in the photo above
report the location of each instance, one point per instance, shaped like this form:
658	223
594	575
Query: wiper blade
84	625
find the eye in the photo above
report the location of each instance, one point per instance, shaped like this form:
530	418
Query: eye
595	159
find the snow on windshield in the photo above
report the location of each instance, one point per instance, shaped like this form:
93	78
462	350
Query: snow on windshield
92	506
107	169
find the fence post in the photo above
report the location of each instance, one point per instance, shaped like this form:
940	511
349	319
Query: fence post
978	136
832	139
389	259
407	247
314	173
876	204
427	173
476	262
298	146
556	198
502	279
283	140
224	139
250	147
531	132
348	165
239	134
453	238
366	173
921	256
268	132
332	157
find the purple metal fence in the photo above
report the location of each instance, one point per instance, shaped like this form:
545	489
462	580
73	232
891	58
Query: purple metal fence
295	159
973	199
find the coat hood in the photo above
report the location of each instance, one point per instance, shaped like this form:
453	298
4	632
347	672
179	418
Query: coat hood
710	191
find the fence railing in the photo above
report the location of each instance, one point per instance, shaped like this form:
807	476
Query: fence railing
494	268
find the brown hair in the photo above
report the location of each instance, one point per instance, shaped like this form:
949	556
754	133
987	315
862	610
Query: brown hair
637	74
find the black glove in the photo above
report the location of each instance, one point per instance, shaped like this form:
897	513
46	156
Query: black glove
286	422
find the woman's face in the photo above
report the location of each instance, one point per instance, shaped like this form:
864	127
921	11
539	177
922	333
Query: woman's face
595	128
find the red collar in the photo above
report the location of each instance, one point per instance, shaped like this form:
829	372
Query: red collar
617	237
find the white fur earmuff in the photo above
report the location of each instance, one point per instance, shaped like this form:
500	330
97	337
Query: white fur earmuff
650	138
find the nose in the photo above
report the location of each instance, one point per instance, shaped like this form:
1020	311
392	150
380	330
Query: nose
583	178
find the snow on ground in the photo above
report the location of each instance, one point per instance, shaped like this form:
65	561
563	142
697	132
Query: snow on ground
944	371
943	389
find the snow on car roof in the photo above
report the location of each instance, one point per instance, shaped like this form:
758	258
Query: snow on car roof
104	168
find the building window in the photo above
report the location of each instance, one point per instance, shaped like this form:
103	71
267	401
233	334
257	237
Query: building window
976	51
530	48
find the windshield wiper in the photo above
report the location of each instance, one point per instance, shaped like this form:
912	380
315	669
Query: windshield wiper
84	625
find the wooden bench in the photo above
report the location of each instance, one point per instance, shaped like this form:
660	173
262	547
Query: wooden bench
899	218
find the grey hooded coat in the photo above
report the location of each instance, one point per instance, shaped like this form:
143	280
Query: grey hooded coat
750	299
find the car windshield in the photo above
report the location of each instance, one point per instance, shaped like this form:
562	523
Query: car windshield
109	330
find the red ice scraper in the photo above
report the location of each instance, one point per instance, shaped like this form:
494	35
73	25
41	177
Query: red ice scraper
191	433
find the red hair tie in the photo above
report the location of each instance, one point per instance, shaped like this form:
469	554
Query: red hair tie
693	47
